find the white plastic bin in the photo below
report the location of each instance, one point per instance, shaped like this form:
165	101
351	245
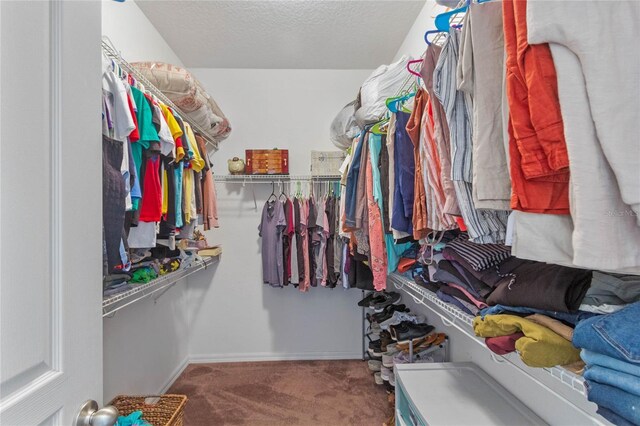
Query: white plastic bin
455	394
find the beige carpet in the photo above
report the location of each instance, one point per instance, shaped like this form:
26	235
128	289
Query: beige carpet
326	393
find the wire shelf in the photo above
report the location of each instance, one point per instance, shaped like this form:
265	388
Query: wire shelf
275	178
112	304
110	50
452	316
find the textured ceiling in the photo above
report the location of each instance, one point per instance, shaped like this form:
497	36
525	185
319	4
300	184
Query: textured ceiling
290	34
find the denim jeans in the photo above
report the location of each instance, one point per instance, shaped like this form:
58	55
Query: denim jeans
570	318
606	376
620	402
614	335
613	417
594	358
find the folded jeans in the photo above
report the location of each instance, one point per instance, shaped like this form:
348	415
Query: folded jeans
620	402
606	376
614	335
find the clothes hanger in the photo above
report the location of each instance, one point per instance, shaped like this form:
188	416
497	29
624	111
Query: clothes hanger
428	33
376	129
392	103
282	192
273	192
415	61
443	21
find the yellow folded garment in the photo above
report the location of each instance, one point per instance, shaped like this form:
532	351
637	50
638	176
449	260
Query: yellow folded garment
540	347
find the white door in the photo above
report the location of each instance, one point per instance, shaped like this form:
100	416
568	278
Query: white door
50	210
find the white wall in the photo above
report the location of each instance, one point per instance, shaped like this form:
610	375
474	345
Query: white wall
144	344
414	43
133	34
234	316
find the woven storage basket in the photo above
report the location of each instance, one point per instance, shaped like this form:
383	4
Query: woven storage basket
168	411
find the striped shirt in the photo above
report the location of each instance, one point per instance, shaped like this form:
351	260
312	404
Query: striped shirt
479	256
484	226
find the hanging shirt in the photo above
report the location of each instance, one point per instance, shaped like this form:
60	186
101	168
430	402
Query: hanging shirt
294	274
270	230
414	124
440	131
378	256
485	226
404	165
537	149
146	128
151	206
175	130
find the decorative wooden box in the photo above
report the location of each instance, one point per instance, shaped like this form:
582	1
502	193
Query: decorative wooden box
267	162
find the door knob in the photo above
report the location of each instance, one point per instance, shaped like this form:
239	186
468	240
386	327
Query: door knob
89	415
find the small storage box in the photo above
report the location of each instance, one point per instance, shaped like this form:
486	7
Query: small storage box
325	163
458	394
159	410
267	161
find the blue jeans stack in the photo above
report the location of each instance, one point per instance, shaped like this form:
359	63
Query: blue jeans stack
611	349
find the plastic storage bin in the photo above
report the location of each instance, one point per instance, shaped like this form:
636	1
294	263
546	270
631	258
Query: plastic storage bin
455	394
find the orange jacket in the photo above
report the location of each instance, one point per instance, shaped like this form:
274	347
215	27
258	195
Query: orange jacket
539	163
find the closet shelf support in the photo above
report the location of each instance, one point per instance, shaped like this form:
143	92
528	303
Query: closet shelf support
112	304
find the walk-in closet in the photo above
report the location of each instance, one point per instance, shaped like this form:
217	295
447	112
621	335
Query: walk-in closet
319	212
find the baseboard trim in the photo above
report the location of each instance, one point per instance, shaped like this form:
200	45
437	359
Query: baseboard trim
244	357
174	376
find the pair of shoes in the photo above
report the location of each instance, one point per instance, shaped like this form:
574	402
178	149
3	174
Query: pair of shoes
378	378
434	339
374	365
364	303
409	332
387	357
375	348
399	317
390	298
419	357
379	301
386	373
386	313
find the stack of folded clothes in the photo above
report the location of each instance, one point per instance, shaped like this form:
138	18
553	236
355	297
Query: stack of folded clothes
521	305
611	349
145	265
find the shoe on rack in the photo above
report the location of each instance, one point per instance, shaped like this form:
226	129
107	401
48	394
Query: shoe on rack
390	389
375	348
394	329
426	342
364	303
385	373
387	313
418	358
390	298
374	365
374	328
412	332
399	317
378	378
392	379
387	357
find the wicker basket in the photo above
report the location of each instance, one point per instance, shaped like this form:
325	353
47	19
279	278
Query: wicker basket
167	411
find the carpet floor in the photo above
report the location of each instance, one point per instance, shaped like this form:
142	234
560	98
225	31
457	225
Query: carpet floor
309	393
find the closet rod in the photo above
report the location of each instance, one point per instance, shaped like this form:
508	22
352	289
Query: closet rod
110	50
275	178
